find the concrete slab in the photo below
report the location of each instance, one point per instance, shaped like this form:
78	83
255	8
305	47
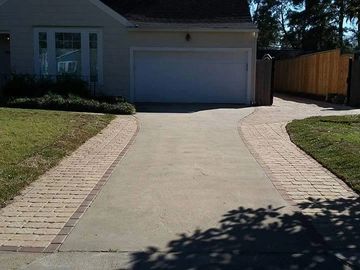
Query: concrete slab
13	260
185	171
119	261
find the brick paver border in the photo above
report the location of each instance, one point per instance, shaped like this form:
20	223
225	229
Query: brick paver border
71	223
261	162
273	178
309	189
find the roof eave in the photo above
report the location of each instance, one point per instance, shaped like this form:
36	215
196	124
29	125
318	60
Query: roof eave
246	27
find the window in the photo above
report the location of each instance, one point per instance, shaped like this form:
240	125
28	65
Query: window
43	54
68	51
93	40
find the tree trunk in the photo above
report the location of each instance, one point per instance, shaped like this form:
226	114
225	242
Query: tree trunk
341	23
358	31
283	26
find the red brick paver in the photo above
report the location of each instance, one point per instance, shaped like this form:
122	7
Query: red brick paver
295	174
46	211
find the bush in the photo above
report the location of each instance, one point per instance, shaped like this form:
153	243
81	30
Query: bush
70	85
70	103
21	85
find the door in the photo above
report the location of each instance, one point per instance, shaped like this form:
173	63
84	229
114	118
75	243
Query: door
5	68
184	76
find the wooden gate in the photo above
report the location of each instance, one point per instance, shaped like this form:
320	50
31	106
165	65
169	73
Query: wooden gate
264	82
354	88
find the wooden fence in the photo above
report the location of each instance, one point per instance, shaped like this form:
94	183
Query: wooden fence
318	74
264	82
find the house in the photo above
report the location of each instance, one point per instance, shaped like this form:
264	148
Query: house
201	51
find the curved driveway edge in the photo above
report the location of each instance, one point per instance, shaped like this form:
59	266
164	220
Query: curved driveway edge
326	200
44	214
294	173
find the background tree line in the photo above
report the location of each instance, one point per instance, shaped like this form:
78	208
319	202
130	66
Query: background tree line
308	24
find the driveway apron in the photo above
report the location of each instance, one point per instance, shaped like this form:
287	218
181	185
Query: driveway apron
187	169
189	195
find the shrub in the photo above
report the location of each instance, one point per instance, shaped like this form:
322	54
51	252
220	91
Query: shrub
21	85
66	85
70	103
110	100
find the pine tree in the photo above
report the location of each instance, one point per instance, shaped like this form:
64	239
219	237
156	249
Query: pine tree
268	25
312	25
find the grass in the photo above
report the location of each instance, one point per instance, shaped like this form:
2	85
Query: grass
334	141
33	141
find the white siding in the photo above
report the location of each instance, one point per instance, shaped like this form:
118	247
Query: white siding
19	17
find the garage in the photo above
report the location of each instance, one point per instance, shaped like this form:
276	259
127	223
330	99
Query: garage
190	75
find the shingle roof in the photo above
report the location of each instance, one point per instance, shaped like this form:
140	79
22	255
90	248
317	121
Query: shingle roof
182	11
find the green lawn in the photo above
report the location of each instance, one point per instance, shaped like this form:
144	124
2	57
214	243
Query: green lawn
333	141
32	141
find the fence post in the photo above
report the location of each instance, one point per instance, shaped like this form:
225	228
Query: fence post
272	81
349	81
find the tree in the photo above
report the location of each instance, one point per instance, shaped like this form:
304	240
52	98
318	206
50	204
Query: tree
307	24
353	14
264	17
312	25
340	8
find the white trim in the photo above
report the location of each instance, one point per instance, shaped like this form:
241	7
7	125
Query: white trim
100	60
160	49
68	29
85	56
215	30
51	48
85	50
111	12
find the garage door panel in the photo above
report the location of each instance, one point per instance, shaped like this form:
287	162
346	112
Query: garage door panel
204	77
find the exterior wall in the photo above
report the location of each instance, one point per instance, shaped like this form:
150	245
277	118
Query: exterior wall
117	40
20	17
198	40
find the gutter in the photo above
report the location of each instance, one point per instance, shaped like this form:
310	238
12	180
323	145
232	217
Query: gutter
195	29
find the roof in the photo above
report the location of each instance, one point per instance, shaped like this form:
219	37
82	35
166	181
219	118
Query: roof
148	12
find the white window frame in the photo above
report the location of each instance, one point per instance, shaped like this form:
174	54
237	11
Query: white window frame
85	50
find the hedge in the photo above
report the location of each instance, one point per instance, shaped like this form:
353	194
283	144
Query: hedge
71	103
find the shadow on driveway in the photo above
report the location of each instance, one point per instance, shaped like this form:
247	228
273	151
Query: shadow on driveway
326	105
182	107
266	238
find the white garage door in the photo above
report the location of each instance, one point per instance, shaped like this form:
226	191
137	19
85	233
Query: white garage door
190	76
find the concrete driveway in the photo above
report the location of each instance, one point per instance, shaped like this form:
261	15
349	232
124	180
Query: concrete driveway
184	172
189	195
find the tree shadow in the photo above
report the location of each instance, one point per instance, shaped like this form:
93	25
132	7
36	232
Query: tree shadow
266	238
